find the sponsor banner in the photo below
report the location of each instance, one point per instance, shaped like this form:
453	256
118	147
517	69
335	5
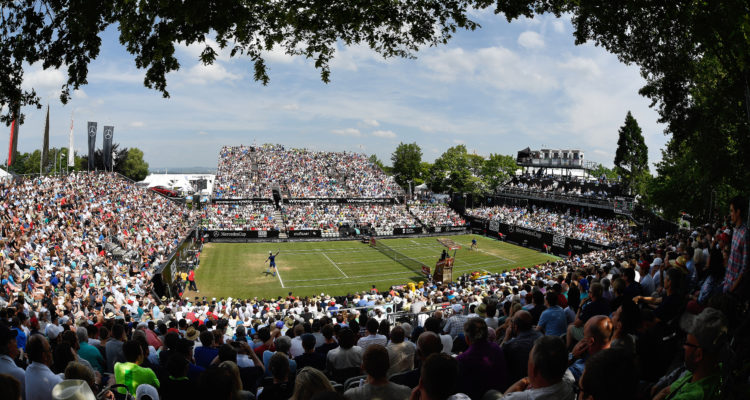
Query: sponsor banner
450	229
92	144
239	202
407	231
304	233
305	200
495	226
338	200
109	131
242	235
426	270
527	237
558	241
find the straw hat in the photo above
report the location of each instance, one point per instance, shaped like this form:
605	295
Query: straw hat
72	389
191	333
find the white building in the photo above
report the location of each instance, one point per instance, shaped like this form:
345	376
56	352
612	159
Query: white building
185	184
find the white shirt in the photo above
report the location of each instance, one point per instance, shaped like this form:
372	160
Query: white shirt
447	341
7	366
368	340
296	349
40	381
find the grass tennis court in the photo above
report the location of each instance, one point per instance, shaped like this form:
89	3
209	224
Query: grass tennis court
340	267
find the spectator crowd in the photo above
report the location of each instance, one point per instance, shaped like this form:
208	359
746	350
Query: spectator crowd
435	213
78	317
641	321
593	188
330	217
253	171
245	217
606	231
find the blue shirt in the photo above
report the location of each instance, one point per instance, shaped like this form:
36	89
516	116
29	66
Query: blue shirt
577	368
267	359
20	338
553	321
204	355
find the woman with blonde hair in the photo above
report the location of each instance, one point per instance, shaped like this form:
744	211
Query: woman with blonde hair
234	370
310	382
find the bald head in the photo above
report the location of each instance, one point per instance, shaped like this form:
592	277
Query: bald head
599	328
523	320
428	343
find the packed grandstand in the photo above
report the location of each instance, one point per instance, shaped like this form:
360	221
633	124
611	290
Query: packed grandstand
79	303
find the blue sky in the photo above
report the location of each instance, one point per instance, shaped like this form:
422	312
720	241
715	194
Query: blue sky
496	90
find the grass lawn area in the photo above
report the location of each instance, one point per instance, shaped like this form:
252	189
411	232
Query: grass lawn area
340	267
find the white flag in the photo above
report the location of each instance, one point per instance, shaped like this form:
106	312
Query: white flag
71	158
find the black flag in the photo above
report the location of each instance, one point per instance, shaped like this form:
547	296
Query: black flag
92	145
45	144
107	149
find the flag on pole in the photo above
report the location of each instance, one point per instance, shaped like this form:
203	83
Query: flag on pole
107	147
45	145
13	145
10	144
92	144
71	157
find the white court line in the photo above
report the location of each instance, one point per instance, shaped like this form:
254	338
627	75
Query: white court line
360	282
334	264
490	254
360	249
486	263
278	273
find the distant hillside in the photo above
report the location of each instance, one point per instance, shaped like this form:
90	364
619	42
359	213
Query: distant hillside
183	170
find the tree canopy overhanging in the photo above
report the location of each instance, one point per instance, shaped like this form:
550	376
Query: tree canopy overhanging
694	56
67	34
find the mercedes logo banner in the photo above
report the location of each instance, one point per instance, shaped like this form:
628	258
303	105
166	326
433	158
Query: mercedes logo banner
107	150
92	144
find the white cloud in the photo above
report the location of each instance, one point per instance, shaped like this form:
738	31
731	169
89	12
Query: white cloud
137	124
558	26
586	67
531	40
43	79
80	94
384	134
194	50
347	132
290	107
458	141
278	55
371	122
496	67
350	58
201	74
203	133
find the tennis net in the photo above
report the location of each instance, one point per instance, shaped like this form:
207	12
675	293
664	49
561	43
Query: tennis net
400	258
